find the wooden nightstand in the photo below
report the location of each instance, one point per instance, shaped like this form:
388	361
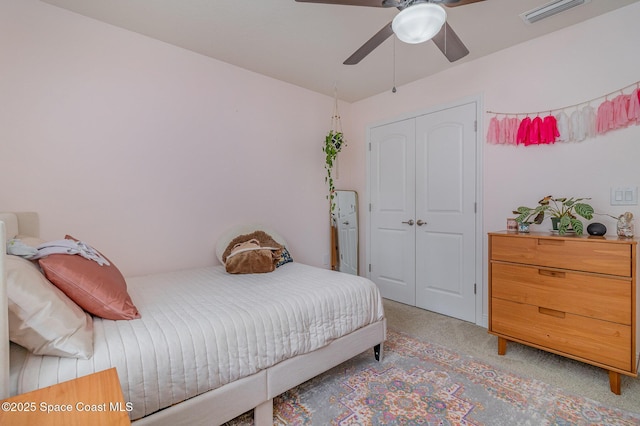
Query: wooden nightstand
95	399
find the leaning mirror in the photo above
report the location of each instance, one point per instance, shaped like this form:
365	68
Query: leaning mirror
344	232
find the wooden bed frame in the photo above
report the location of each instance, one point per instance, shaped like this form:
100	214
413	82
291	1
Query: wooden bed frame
231	400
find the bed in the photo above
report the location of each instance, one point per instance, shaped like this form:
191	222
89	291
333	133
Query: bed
209	345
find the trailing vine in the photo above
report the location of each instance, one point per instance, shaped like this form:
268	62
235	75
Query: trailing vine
333	143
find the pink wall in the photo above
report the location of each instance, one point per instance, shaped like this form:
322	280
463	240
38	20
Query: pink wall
147	151
567	67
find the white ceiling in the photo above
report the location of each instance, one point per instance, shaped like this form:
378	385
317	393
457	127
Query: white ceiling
305	43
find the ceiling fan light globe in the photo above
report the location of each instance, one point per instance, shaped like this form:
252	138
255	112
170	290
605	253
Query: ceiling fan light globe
419	23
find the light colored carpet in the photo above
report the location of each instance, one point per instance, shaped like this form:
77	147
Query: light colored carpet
464	337
421	381
439	370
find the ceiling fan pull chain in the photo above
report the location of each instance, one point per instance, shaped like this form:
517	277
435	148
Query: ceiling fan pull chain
394	90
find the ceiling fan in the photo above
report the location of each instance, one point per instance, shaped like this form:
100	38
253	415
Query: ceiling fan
411	11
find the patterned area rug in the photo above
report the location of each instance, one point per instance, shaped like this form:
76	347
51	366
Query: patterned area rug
420	383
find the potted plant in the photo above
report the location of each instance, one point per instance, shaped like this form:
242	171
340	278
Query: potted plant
333	144
564	213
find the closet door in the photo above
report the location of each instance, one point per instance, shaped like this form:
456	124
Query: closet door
392	197
445	211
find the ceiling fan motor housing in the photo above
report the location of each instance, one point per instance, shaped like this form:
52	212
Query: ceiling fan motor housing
419	22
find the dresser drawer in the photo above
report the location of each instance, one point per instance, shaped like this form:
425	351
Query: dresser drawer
599	341
589	295
566	253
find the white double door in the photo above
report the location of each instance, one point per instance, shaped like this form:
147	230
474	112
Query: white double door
423	211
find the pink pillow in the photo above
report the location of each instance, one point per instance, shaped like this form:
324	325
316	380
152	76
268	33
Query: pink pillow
99	290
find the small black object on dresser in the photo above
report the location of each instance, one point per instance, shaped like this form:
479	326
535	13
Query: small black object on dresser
596	229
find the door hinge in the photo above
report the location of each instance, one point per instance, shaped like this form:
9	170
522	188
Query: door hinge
369	206
475	127
475	207
475	288
369	267
369	146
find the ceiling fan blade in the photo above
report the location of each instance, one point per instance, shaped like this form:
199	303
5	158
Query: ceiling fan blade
370	45
370	3
450	44
455	3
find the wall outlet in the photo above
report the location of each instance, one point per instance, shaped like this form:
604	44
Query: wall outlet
624	196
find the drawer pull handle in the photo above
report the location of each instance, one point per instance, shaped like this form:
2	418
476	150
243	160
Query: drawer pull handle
554	274
551	312
550	242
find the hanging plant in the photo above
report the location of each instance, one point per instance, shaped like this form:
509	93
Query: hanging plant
333	143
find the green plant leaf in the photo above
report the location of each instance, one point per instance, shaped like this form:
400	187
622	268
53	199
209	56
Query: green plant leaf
521	218
577	226
523	210
584	210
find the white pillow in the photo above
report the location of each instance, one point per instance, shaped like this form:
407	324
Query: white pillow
226	237
41	317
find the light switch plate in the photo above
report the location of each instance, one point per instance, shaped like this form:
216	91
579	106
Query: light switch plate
624	196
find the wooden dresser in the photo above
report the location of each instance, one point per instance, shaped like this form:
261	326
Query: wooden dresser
573	296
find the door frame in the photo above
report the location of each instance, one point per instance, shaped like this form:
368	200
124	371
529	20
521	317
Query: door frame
481	317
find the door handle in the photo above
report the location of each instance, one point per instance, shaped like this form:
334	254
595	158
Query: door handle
410	222
345	223
420	222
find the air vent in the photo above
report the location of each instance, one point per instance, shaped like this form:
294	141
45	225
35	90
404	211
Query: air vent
550	9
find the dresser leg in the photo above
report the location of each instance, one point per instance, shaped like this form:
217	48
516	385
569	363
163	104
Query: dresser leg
614	382
502	346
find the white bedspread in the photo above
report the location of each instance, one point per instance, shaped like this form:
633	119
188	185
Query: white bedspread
203	328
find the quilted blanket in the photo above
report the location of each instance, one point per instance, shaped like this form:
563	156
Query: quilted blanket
203	328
